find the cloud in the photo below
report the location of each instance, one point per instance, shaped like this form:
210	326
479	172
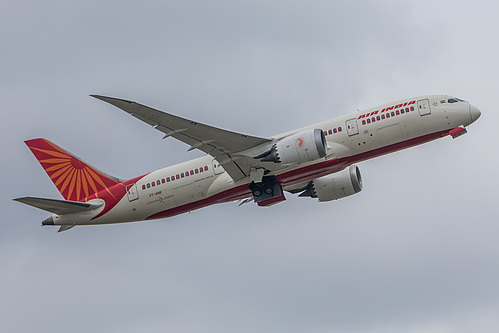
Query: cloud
415	251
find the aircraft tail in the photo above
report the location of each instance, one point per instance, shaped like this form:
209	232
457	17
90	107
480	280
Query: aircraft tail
75	179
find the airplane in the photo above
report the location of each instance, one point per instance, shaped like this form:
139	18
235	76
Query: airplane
317	161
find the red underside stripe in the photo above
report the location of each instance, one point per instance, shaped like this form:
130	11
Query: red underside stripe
300	175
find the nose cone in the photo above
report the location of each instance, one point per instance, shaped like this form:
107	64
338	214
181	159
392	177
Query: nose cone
475	113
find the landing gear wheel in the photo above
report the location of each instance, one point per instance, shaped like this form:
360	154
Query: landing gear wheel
257	190
265	190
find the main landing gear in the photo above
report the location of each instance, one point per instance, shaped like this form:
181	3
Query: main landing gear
268	188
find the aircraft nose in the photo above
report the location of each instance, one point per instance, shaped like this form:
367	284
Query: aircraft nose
475	113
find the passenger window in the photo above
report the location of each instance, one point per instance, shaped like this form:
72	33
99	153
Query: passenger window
148	185
205	168
330	132
402	111
363	122
177	177
393	114
378	118
368	121
382	116
412	108
339	129
153	184
143	187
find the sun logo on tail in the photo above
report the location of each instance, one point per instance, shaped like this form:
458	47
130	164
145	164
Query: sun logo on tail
72	177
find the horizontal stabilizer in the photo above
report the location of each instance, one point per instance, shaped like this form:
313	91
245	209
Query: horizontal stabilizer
59	207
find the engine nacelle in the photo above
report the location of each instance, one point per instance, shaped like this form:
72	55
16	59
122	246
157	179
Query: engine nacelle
301	147
336	186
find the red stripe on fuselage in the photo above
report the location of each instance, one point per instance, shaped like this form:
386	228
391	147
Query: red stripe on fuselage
112	195
300	175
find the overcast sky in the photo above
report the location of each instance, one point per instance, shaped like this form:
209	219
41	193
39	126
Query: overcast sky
416	251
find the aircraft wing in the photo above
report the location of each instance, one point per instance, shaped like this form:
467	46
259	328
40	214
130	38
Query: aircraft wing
219	143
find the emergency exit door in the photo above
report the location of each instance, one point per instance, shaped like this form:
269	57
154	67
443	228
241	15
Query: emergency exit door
132	192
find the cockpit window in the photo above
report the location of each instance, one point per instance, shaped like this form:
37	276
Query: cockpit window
455	100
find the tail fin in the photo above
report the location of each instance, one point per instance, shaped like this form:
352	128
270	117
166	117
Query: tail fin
75	179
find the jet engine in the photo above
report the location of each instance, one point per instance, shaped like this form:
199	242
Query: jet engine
301	147
336	186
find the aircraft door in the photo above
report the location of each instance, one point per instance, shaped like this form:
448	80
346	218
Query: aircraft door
424	107
352	128
217	168
132	192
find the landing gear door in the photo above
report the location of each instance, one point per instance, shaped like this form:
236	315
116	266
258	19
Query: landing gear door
424	107
352	128
132	192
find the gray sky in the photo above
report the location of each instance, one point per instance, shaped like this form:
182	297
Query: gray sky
416	251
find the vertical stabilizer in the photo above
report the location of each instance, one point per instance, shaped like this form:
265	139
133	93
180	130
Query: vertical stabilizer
75	179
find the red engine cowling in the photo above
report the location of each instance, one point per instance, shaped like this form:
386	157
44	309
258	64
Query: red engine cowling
301	147
336	186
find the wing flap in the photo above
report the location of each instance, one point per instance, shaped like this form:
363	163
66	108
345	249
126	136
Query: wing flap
59	207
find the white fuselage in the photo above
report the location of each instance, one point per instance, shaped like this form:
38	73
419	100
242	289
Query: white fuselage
350	139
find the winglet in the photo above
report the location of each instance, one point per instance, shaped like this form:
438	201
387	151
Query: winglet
112	100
